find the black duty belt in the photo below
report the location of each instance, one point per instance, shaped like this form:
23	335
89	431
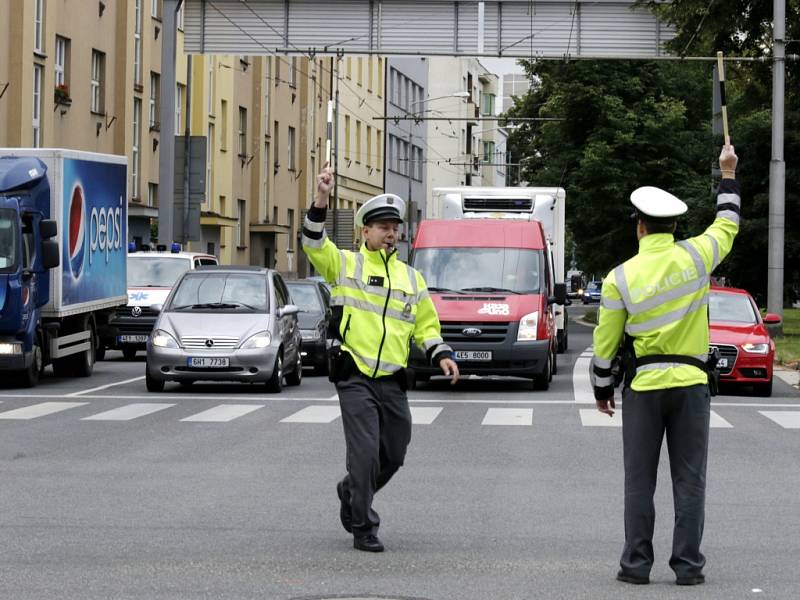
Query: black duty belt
671	358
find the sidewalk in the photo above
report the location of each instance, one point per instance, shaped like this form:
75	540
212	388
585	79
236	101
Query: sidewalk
790	376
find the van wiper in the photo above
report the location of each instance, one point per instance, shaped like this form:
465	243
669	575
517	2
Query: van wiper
489	289
215	305
442	290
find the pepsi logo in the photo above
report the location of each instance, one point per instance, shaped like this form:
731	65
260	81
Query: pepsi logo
77	231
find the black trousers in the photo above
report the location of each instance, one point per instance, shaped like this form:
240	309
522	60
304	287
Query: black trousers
377	429
683	413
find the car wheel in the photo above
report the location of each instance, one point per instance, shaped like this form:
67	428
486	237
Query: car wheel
296	376
541	381
555	365
153	384
82	364
100	352
763	389
129	353
275	383
30	377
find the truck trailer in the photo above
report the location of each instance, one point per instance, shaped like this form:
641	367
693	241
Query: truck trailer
63	244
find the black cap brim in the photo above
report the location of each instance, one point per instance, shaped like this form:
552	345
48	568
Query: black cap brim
384	213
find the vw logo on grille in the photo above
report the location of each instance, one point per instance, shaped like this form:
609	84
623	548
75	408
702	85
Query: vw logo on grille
471	331
209	343
136	311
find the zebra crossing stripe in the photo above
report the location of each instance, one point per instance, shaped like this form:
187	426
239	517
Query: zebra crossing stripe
591	417
39	410
424	415
788	419
718	422
128	412
223	413
314	414
508	416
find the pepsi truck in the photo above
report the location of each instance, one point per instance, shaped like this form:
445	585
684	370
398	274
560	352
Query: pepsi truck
63	233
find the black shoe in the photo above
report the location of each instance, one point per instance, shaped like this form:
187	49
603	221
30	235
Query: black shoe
345	513
621	576
367	543
691	580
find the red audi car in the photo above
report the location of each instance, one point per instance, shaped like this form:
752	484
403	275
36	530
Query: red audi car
740	334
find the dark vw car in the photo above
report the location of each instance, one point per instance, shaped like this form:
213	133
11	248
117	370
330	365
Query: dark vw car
313	298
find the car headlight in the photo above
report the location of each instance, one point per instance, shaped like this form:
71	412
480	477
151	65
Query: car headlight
161	339
11	348
528	326
262	339
756	348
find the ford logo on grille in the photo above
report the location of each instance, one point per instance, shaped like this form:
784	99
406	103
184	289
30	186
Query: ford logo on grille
471	331
136	311
209	343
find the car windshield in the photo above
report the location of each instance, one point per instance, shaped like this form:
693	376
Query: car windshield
734	308
594	286
8	239
221	292
511	270
305	297
156	271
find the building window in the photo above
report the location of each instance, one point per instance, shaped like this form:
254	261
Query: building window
38	72
38	25
487	104
210	83
418	161
98	81
210	164
290	216
379	149
349	68
293	73
135	154
488	152
152	194
155	101
223	124
360	70
380	78
267	77
241	208
347	137
265	199
368	159
358	141
61	63
276	141
370	75
137	42
155	8
242	131
291	149
179	91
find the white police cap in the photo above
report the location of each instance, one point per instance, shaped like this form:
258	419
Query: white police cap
381	207
655	202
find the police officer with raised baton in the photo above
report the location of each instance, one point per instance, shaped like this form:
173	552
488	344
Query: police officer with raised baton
659	301
379	305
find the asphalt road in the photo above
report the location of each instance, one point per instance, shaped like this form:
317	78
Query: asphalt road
224	491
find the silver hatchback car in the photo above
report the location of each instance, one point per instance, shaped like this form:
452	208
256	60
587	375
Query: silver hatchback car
226	324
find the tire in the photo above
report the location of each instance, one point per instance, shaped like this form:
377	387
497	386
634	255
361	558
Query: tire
100	352
62	367
153	384
763	389
554	370
296	376
129	353
30	377
541	381
83	363
275	383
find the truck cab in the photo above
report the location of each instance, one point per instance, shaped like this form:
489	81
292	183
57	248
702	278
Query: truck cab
151	275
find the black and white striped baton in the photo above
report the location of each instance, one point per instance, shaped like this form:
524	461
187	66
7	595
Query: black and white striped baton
722	101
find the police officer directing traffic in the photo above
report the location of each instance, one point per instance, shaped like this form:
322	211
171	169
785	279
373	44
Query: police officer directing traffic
659	301
379	305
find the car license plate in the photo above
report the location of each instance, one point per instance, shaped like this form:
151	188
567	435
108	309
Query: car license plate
208	362
132	339
722	363
482	355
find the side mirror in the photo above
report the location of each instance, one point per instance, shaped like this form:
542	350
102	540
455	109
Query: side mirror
48	228
50	257
157	308
772	319
289	309
560	293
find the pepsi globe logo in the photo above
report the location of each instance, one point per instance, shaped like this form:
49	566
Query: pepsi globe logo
77	231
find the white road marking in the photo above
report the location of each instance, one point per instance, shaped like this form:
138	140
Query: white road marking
424	415
718	422
314	414
788	419
508	416
128	412
39	410
591	417
104	387
223	413
581	385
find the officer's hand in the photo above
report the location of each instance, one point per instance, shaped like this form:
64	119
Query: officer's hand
450	369
606	406
728	161
324	186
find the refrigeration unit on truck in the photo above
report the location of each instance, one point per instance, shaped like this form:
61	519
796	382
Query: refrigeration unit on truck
491	277
63	232
544	204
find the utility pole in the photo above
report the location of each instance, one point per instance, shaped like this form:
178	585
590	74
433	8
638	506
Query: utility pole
166	157
777	166
187	152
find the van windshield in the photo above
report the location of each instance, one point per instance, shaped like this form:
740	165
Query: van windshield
156	271
481	269
8	239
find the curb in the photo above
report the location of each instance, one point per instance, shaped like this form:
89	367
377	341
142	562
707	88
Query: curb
790	376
